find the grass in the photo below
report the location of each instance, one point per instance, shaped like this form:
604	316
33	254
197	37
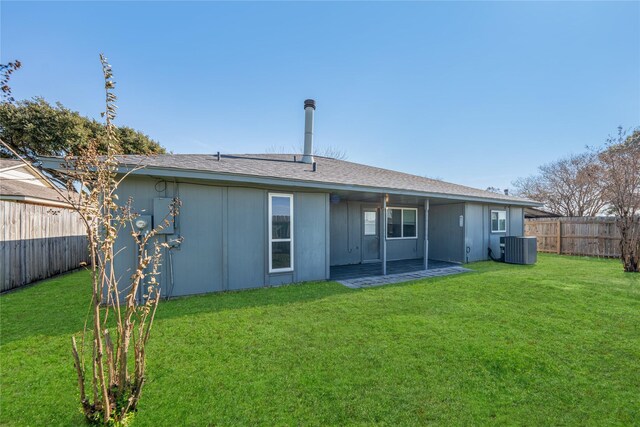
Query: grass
555	343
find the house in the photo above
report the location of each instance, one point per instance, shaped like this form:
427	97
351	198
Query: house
40	235
20	183
254	220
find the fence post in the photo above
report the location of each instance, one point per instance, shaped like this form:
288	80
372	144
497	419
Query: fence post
559	237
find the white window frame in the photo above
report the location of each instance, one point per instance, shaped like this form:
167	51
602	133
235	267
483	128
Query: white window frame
401	224
498	211
272	240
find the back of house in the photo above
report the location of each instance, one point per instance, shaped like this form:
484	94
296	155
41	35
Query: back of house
255	220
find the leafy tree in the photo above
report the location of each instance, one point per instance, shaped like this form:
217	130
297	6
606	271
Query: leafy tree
5	75
568	187
36	128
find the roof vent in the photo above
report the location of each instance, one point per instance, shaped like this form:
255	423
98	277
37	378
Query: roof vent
309	109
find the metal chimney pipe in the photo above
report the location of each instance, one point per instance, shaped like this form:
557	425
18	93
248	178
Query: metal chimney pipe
309	108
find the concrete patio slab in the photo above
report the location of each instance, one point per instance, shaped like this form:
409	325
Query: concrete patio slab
371	281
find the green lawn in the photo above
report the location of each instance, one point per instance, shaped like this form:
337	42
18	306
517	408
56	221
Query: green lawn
555	343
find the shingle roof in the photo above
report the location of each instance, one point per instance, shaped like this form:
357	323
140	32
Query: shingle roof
10	187
17	188
329	171
8	163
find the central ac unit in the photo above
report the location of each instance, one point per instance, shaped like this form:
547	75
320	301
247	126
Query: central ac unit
520	250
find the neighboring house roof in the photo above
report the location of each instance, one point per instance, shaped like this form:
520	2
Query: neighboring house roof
20	183
19	190
9	163
330	174
539	213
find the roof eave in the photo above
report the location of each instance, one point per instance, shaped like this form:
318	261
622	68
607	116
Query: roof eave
164	172
284	182
35	201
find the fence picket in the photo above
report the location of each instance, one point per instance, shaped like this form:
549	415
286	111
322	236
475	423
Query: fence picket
37	242
588	236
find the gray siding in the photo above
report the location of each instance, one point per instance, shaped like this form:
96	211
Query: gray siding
478	235
347	232
516	221
225	232
310	236
246	237
142	192
197	263
475	227
446	236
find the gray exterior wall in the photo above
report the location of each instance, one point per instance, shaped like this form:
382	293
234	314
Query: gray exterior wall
476	239
347	232
225	232
311	232
446	236
197	265
516	221
246	238
448	241
478	235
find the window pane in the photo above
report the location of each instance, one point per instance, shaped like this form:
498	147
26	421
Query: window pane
280	255
280	217
502	220
370	223
394	222
409	223
498	221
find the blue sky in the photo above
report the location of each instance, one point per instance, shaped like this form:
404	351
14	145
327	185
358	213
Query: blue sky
475	93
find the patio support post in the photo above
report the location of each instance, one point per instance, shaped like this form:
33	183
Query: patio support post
384	235
426	234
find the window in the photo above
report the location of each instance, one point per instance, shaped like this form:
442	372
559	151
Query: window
280	232
498	221
370	226
402	223
409	220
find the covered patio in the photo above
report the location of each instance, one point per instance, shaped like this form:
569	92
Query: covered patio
380	238
355	271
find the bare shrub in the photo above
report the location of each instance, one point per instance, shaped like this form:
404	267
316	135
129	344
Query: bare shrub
329	151
620	181
119	322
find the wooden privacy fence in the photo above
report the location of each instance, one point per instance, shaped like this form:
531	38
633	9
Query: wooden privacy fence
588	236
37	242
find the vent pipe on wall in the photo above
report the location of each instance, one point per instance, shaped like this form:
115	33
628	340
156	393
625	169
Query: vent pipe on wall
309	108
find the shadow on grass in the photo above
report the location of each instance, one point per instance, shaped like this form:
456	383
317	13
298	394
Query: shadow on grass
58	306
